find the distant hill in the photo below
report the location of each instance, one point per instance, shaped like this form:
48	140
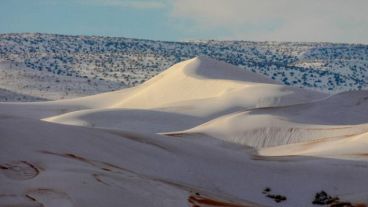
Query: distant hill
93	64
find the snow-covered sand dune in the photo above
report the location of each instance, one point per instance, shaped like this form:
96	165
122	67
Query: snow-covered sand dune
203	133
197	90
72	166
335	117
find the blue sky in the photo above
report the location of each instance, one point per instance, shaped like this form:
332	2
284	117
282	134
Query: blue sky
260	20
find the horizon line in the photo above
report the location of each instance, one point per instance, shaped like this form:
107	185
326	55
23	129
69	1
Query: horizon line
187	41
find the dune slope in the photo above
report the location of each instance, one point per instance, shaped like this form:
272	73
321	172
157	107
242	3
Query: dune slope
201	134
199	90
338	116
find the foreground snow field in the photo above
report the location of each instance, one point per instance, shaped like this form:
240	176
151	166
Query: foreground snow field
202	133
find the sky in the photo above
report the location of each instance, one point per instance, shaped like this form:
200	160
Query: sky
182	20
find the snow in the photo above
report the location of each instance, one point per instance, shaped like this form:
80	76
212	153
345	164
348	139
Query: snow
34	85
187	94
333	117
171	142
75	66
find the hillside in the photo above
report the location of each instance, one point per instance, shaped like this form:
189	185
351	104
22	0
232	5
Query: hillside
99	64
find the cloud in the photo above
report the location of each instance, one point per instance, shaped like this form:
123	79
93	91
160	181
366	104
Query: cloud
280	20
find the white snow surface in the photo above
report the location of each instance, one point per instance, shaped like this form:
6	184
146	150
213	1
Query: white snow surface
202	133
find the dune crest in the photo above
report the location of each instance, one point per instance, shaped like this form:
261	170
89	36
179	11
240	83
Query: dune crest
199	89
